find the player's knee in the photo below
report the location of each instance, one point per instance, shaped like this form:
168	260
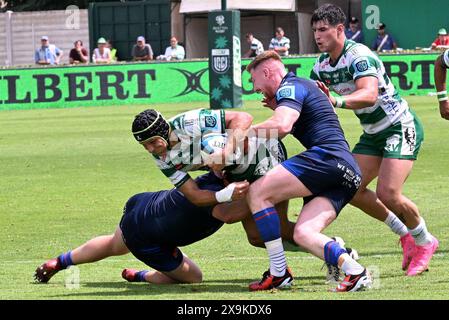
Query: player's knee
196	277
388	196
225	217
256	195
253	194
301	236
117	247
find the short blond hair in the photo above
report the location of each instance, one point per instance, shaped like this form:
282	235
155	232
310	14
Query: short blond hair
264	56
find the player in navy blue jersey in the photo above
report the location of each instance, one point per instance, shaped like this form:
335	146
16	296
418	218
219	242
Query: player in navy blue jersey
326	175
153	226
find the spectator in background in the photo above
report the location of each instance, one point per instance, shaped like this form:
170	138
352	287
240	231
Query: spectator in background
47	53
383	41
112	49
101	54
353	32
280	43
78	54
442	42
256	47
142	51
173	52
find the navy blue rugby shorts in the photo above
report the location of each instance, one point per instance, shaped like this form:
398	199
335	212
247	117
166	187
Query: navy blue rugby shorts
326	175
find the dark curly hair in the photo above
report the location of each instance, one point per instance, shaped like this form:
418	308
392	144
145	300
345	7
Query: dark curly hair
148	124
329	13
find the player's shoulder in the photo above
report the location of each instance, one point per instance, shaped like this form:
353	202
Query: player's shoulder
356	50
322	58
292	86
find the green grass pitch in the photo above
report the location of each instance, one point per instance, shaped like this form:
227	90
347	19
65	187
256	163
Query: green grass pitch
65	175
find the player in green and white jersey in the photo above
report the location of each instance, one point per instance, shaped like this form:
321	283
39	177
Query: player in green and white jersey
392	133
441	66
179	145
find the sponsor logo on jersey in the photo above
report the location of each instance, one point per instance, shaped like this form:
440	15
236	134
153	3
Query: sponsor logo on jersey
210	121
362	65
392	143
410	138
286	92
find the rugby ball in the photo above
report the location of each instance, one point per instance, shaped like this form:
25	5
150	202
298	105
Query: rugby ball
211	142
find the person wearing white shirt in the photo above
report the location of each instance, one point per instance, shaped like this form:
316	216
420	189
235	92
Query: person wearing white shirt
256	47
101	54
173	52
279	43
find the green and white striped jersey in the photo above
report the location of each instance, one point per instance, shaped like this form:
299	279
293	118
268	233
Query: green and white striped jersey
190	127
194	128
357	61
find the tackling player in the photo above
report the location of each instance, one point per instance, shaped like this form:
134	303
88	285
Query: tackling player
441	65
153	225
176	144
326	175
392	133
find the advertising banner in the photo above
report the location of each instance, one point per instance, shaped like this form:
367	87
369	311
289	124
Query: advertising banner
166	82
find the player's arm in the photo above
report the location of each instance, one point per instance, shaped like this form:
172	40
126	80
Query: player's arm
365	95
201	198
440	71
239	124
364	73
281	121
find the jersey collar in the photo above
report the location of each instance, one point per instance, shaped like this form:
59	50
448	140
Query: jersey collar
345	46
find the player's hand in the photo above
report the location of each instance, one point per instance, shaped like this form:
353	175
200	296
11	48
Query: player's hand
240	190
326	91
444	109
323	88
270	103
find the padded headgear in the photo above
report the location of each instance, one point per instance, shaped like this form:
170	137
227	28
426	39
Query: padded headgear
149	124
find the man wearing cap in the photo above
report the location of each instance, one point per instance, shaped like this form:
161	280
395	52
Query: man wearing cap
47	54
442	42
383	41
353	32
102	54
141	50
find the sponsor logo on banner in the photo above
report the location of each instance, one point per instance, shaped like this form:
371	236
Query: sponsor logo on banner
221	60
237	62
193	81
222	28
220	20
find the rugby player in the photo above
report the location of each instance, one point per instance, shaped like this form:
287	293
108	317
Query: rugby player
326	175
392	133
441	66
153	226
176	145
